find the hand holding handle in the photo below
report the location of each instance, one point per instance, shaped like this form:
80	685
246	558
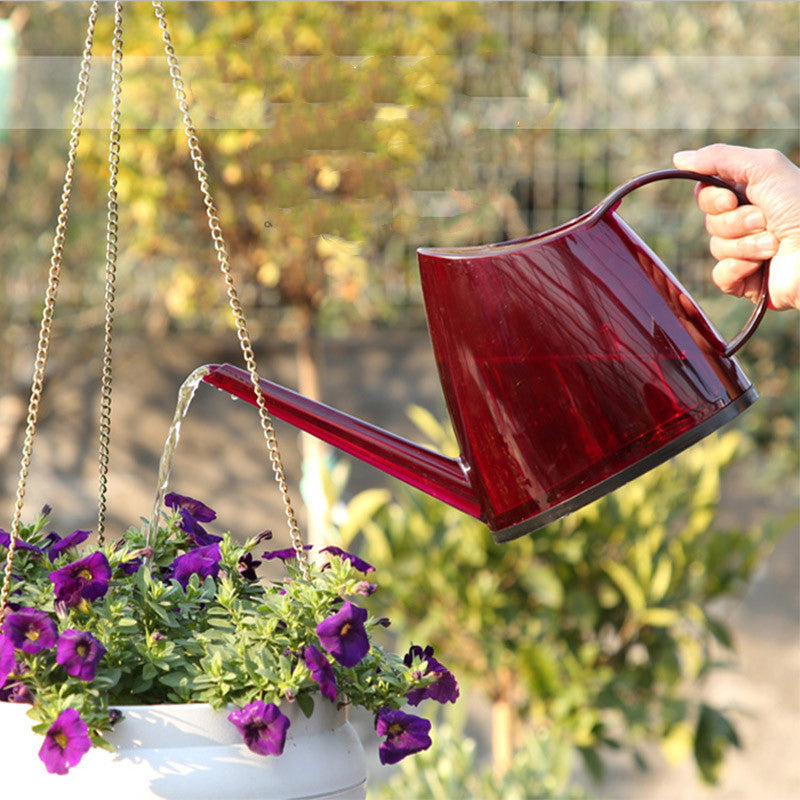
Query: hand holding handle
613	200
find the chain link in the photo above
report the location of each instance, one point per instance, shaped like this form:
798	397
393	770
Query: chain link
225	266
112	224
54	277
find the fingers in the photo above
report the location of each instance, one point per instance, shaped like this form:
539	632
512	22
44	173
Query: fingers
738	277
728	161
755	248
741	221
715	200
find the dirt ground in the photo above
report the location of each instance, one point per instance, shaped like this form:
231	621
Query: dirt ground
221	459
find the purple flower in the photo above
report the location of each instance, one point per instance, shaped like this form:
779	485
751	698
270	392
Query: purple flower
405	734
365	588
262	726
16	692
30	630
247	567
8	660
199	511
343	635
358	563
202	561
5	541
85	579
193	512
262	537
321	671
65	743
444	688
79	653
61	544
283	555
131	567
135	559
196	531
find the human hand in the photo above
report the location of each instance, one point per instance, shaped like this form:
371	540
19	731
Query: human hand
744	236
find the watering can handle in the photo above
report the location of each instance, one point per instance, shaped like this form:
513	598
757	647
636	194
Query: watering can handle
613	200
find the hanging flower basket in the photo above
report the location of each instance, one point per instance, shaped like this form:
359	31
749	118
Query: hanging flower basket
192	751
194	674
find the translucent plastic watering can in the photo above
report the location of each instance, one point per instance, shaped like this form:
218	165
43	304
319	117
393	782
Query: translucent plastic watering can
571	362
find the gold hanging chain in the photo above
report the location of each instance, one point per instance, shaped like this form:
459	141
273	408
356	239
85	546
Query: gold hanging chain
54	276
112	224
225	266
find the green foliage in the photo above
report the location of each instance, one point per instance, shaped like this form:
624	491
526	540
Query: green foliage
316	117
450	769
596	625
224	640
771	360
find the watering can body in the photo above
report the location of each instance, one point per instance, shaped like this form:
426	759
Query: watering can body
571	361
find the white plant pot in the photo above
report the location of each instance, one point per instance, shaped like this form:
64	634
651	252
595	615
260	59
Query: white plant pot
191	751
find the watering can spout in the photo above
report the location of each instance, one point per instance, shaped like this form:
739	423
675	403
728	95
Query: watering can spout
440	476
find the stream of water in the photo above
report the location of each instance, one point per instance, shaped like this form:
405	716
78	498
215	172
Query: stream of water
185	397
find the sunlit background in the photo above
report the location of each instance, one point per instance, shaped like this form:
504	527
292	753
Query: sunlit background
339	137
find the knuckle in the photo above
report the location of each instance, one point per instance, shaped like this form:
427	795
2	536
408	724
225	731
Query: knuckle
718	247
725	277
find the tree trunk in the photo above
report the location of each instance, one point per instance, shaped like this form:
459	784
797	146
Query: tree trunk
503	723
314	452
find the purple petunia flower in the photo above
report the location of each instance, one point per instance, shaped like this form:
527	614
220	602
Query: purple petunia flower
405	734
358	563
262	537
60	544
65	743
196	531
321	671
202	561
5	541
8	660
134	560
30	630
263	727
131	567
199	511
79	653
284	555
16	692
444	689
84	579
343	635
247	567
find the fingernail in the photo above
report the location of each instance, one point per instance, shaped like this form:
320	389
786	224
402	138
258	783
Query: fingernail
754	220
682	155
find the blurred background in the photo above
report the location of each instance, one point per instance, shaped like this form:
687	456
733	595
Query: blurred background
648	646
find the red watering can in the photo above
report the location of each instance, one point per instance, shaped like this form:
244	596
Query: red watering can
571	361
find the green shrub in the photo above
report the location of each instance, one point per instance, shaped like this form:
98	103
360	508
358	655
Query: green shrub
450	769
595	627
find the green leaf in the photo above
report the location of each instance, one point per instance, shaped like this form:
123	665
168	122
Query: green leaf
306	703
360	510
713	736
720	632
660	617
662	576
627	584
592	761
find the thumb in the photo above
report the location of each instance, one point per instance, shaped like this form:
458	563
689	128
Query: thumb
729	162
